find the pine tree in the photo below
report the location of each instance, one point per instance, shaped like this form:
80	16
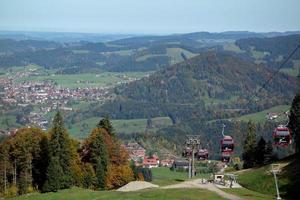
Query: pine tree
294	122
269	155
249	147
54	176
260	151
99	156
60	157
107	125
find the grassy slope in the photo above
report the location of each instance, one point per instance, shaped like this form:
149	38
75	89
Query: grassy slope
232	47
121	126
262	181
155	194
175	53
261	116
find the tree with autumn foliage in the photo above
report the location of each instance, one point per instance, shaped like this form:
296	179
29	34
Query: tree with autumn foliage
108	158
23	158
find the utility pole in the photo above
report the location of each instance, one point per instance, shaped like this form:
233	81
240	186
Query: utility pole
275	170
193	141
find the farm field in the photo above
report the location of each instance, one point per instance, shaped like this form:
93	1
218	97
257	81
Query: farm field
87	79
261	116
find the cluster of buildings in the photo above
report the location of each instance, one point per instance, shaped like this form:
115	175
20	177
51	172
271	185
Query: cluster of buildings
46	92
46	96
138	154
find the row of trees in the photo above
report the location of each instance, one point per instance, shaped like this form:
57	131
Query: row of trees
256	153
34	160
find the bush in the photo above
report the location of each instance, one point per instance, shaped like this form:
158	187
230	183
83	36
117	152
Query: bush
147	173
12	191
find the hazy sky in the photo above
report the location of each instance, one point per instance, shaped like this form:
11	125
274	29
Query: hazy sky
149	16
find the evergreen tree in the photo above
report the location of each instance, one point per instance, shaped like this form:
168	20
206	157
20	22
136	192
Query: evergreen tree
99	156
260	151
60	157
54	176
294	122
106	124
269	155
89	176
249	147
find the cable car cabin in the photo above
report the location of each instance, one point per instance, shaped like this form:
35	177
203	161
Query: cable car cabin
225	157
227	144
187	152
282	136
202	154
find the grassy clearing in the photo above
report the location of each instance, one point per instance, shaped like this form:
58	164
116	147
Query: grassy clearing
294	71
82	128
81	51
175	53
155	194
248	194
261	116
232	47
8	121
145	57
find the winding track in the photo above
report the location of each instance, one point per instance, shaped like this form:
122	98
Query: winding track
209	186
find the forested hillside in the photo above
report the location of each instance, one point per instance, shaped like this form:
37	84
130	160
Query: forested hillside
194	89
272	50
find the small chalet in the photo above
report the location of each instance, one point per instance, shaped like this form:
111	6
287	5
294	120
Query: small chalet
180	165
166	163
151	162
272	116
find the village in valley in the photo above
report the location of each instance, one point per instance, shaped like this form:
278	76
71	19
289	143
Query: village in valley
19	90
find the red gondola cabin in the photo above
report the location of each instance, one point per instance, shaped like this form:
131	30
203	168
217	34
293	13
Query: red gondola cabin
227	144
225	157
202	154
187	152
282	136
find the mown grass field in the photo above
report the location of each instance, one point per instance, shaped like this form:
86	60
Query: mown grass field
261	116
248	194
151	194
164	176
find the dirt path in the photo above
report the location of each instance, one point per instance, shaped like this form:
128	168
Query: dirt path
209	186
